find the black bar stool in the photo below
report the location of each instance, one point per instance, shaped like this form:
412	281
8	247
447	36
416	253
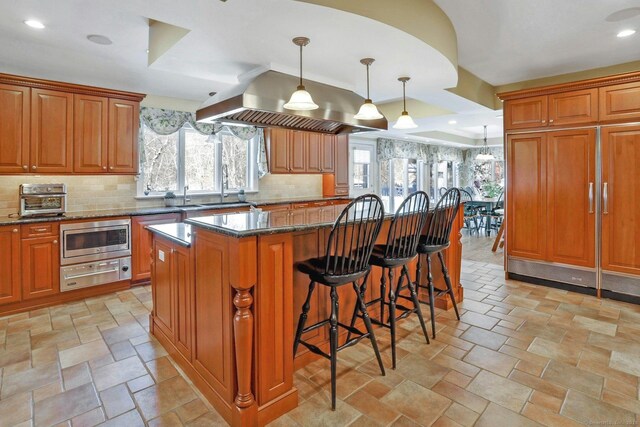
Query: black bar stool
435	241
400	248
346	261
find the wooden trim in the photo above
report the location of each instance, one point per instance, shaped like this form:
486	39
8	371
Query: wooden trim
577	85
69	87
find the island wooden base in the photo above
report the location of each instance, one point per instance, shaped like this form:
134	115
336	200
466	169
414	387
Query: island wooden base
226	309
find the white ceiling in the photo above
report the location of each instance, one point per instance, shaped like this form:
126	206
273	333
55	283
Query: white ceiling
506	41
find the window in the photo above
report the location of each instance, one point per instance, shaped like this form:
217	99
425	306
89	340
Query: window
189	158
398	179
491	171
362	177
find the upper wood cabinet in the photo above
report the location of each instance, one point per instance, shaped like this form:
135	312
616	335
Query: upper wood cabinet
10	264
342	165
15	102
558	109
51	131
91	118
300	152
59	128
123	136
573	108
620	102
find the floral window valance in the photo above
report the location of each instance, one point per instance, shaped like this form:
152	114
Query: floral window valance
166	122
498	153
398	149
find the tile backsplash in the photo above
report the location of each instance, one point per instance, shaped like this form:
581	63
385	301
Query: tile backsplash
119	191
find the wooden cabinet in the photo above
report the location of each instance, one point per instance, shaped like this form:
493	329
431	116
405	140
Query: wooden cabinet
90	130
279	150
620	102
182	264
10	264
620	206
40	267
141	243
123	136
51	148
526	196
314	155
577	107
298	158
328	154
15	102
571	175
342	165
164	287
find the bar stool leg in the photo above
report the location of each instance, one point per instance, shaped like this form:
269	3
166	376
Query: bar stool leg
367	323
333	338
432	302
303	317
356	306
416	302
383	291
447	280
392	318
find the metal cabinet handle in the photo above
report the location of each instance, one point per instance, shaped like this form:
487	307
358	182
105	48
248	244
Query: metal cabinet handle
40	230
55	242
550	120
15	230
605	198
544	121
34	167
591	197
25	167
111	167
104	168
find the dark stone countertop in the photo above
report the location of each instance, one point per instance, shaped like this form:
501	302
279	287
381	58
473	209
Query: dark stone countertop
179	233
157	210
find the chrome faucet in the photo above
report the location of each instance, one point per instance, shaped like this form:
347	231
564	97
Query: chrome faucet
185	199
224	183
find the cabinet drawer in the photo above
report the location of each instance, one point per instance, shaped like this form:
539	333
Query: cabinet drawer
42	229
526	113
342	191
620	102
573	108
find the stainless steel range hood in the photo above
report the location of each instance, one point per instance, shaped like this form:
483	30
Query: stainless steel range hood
260	101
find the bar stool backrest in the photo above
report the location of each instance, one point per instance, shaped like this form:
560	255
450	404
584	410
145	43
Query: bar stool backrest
353	236
442	218
406	228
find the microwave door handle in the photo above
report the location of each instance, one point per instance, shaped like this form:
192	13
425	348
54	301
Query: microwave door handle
95	273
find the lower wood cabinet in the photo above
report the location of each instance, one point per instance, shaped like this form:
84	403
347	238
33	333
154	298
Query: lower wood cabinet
164	286
141	243
40	267
9	264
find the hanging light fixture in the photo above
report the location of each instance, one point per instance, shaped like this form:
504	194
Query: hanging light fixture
301	99
404	121
368	110
484	153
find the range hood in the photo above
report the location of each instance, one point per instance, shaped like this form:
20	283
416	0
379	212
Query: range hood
260	101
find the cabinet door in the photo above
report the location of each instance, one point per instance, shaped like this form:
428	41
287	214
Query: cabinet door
620	210
51	131
342	165
525	113
183	276
40	267
314	152
163	287
141	243
327	153
90	123
620	102
298	152
526	198
279	150
124	120
14	128
9	264
573	108
571	197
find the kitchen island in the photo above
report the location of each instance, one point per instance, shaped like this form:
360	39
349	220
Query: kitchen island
227	296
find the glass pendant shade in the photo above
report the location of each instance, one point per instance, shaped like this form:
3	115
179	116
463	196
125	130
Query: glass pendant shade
301	100
368	111
405	122
484	153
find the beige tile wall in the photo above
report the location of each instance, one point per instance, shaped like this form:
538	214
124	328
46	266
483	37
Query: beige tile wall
112	192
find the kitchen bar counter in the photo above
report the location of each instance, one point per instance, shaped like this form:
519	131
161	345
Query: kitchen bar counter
226	307
177	232
133	211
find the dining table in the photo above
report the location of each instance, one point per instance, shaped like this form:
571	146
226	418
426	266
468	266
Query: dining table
488	203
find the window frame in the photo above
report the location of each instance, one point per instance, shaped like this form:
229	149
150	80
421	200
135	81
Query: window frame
252	167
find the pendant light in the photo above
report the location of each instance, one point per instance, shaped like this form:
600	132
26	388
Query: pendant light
484	153
404	121
301	99
368	110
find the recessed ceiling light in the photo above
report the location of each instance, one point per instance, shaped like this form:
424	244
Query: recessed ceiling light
452	122
34	24
98	39
147	50
626	33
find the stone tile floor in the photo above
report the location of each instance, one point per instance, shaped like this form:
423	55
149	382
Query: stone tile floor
521	355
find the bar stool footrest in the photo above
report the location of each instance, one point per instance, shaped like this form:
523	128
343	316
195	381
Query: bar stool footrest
315	349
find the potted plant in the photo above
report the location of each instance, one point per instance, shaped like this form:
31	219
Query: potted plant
491	189
169	198
241	196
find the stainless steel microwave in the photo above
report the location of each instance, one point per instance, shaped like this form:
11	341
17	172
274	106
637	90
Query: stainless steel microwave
92	241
